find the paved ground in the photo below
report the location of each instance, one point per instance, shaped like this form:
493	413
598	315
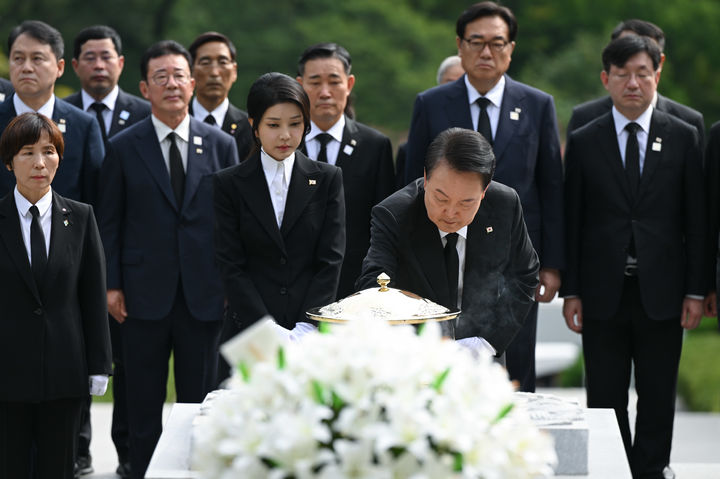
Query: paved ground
696	440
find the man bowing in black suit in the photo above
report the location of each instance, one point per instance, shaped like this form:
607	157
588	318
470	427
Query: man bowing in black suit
460	240
363	153
636	231
215	70
98	63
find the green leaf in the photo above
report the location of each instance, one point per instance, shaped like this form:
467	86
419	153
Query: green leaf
318	392
337	401
244	371
420	329
324	327
504	412
281	358
458	462
437	384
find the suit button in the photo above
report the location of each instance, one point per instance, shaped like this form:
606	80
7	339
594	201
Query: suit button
283	291
283	260
38	311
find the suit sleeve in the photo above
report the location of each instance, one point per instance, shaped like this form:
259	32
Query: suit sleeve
231	257
418	142
573	219
93	301
549	177
111	214
230	155
712	168
329	250
517	294
695	220
383	252
93	155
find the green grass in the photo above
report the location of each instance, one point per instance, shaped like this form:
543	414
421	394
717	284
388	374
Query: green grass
699	376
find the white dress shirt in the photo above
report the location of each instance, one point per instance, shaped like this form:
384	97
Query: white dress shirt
200	113
44	207
183	133
642	134
47	109
109	102
332	149
495	95
277	175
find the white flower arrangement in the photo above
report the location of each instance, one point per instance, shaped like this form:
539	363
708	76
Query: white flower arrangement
368	400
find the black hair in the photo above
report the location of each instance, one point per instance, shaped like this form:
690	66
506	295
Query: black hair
160	49
208	37
26	129
487	9
462	150
642	28
620	50
41	32
96	32
324	50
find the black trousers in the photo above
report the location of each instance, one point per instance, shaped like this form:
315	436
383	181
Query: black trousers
147	346
40	436
520	354
611	347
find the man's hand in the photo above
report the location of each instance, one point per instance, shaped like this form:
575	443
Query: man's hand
692	310
116	305
549	285
710	305
572	310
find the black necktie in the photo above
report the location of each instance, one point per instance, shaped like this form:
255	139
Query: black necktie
484	120
324	139
632	157
452	265
177	172
210	120
99	109
37	246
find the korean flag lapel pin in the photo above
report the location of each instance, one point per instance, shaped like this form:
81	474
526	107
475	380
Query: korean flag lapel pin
123	117
348	149
489	229
312	182
62	125
515	114
657	144
197	141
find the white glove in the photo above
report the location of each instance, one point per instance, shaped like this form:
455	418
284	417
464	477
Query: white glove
476	345
98	384
300	330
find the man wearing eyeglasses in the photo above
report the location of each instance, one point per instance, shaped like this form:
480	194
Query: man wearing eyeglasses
519	121
215	70
156	222
98	63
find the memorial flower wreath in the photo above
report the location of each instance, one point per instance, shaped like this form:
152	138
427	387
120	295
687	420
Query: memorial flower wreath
366	401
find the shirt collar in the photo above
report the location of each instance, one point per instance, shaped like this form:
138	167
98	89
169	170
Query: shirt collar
621	120
162	130
109	100
23	205
200	113
270	165
336	131
494	95
461	232
47	109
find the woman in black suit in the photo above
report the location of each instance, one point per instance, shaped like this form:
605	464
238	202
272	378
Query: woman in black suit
54	339
280	217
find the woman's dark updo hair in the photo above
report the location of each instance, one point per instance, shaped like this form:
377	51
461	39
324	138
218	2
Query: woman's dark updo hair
274	88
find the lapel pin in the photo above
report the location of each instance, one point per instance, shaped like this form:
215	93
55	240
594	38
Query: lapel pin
348	150
518	109
312	182
515	116
197	140
198	151
656	146
66	222
2	97
62	126
233	127
121	122
353	142
489	230
124	115
658	139
64	210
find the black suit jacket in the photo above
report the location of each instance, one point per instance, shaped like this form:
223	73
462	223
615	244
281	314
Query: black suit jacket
526	146
129	109
667	218
365	157
6	89
284	271
77	175
54	335
586	112
236	125
712	165
501	266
